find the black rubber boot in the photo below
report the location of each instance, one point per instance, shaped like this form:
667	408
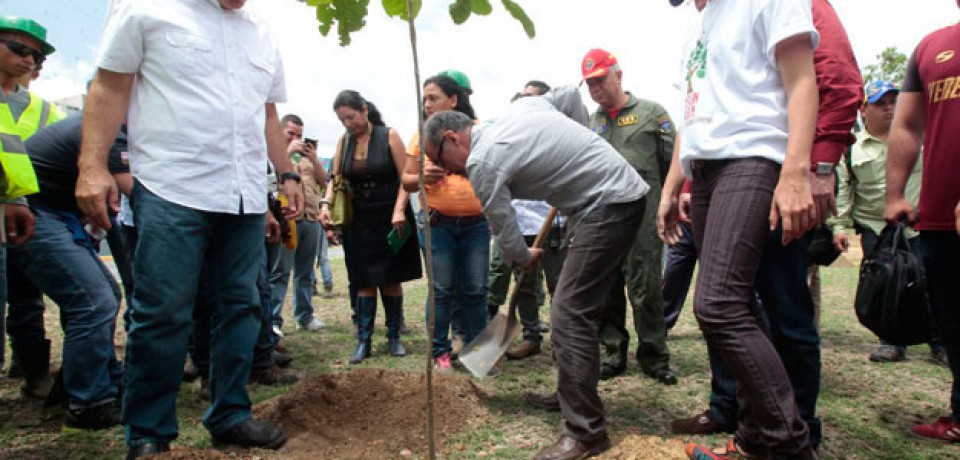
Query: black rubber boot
366	313
34	360
393	306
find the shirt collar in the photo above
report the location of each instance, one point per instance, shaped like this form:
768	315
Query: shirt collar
864	136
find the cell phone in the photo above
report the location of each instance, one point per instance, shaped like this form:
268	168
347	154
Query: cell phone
312	142
395	241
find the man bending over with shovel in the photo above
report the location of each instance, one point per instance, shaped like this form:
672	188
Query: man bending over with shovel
534	152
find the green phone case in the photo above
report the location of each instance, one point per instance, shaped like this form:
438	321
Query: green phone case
395	241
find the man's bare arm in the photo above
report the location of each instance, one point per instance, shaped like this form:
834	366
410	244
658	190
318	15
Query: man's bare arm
104	110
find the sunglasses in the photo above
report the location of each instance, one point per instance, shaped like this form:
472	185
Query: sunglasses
23	51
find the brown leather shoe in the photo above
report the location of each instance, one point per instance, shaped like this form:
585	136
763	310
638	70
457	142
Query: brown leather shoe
272	376
547	402
524	349
567	448
700	424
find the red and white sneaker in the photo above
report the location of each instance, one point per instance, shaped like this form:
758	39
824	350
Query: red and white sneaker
944	429
443	365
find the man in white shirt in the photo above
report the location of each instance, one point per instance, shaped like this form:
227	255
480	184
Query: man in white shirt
200	79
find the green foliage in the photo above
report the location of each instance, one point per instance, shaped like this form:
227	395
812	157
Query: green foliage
350	15
891	66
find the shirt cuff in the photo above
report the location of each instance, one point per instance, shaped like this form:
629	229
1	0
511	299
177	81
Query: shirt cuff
827	152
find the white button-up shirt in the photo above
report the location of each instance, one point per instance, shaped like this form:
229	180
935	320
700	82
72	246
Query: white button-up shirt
197	111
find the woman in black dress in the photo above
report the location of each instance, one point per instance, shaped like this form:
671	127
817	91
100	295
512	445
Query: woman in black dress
371	157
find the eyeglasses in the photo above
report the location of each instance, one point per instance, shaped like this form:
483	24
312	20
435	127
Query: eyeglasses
23	51
439	161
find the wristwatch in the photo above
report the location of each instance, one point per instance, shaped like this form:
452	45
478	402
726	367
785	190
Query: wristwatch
290	175
822	168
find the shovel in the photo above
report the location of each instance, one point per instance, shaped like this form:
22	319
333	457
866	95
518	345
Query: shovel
485	350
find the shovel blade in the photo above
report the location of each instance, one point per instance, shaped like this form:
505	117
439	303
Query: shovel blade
485	350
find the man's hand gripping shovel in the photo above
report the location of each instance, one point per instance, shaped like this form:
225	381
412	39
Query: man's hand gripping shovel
485	350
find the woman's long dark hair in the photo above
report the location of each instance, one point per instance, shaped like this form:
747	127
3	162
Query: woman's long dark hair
353	99
450	87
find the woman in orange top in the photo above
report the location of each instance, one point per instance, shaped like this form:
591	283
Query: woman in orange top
460	235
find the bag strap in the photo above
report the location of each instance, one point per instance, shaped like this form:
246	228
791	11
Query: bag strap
338	157
848	160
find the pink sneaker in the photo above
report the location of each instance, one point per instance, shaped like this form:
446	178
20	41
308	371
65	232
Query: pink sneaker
442	364
944	429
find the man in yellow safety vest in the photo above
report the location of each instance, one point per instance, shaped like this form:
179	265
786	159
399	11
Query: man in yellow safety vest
21	115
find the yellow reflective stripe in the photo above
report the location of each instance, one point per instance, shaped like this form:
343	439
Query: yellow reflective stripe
11	143
44	115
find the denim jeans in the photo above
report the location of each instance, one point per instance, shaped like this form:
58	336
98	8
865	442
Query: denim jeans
461	260
3	305
24	306
323	259
176	244
678	266
200	340
940	251
788	311
300	260
61	262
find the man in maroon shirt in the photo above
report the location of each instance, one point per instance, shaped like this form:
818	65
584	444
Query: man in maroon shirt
928	111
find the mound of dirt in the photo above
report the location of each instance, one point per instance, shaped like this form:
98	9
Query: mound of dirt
363	414
638	447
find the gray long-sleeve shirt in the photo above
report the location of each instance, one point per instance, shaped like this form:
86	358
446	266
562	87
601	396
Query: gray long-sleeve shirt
535	152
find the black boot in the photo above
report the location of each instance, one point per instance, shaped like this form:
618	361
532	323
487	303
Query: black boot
393	306
34	360
366	313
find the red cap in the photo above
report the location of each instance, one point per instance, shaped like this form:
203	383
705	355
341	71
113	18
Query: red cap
597	63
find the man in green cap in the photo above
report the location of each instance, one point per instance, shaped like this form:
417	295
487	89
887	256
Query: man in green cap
643	133
22	114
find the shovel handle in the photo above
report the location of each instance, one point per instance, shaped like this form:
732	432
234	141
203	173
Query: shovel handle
537	243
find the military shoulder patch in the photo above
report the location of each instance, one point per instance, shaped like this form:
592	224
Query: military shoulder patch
666	126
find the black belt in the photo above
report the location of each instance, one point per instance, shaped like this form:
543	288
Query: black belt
465	221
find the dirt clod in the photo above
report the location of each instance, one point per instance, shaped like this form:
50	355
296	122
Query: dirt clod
367	413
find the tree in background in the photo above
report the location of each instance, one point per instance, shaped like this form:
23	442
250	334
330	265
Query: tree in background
350	15
890	66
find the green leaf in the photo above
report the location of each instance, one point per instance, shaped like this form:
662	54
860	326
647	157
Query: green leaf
460	11
521	16
481	7
398	8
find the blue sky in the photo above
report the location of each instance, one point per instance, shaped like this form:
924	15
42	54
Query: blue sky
73	26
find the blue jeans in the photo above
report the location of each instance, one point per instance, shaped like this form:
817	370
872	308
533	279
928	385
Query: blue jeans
175	244
940	251
787	312
323	259
461	262
24	306
61	262
301	260
266	339
679	263
3	305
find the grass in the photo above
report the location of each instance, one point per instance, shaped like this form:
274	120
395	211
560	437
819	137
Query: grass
866	408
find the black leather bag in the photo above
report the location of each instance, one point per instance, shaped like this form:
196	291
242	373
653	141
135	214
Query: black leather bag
891	296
